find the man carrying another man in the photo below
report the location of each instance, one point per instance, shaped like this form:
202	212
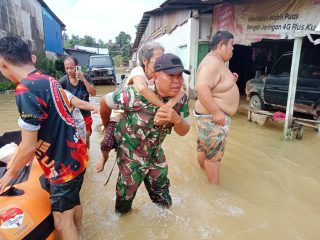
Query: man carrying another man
140	156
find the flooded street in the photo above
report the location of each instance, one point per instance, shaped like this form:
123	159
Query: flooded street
269	188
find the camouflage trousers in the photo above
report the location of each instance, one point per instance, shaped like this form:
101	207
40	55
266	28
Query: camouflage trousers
133	170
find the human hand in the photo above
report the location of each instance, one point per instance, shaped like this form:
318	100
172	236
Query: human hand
96	109
158	121
80	76
235	76
219	118
6	179
98	167
167	114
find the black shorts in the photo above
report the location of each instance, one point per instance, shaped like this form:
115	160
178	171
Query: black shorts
63	196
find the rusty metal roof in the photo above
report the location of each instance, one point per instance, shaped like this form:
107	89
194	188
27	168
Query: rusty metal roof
169	5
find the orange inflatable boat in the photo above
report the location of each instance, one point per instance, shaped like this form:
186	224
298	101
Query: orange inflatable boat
25	208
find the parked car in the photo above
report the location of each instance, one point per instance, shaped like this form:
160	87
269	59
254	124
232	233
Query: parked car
272	90
101	69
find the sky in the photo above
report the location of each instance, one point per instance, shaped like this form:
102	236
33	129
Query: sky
101	19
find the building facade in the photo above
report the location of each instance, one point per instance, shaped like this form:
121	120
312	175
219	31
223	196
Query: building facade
34	22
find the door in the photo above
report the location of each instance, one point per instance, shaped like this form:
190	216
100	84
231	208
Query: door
277	84
202	51
308	85
307	95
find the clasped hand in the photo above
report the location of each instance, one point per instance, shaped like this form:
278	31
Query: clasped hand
166	114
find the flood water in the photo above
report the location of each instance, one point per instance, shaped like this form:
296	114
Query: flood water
269	188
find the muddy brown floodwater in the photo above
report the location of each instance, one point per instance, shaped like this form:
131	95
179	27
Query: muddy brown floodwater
269	188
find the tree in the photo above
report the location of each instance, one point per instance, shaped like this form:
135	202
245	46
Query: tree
88	41
101	44
123	39
70	42
121	48
117	60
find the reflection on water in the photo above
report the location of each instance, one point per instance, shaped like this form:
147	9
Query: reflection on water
269	188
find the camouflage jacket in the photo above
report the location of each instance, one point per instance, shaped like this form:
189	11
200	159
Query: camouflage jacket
136	130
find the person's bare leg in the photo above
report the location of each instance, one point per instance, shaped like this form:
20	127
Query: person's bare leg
99	166
65	226
201	158
212	170
77	217
88	134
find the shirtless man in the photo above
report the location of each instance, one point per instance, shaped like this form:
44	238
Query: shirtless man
218	99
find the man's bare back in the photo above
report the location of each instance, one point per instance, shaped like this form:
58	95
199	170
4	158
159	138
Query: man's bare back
222	83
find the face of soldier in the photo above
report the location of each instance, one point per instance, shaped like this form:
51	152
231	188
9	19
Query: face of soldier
168	85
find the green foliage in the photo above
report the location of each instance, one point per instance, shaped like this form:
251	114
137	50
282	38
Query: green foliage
70	42
117	60
50	67
45	65
114	50
120	47
59	65
88	41
123	39
6	85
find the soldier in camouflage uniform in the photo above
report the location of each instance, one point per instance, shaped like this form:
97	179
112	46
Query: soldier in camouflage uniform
140	156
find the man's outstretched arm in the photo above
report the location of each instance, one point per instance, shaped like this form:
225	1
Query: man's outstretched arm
105	112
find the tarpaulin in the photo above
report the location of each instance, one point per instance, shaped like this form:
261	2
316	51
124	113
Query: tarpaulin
251	21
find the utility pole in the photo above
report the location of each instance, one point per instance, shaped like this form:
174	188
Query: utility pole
292	87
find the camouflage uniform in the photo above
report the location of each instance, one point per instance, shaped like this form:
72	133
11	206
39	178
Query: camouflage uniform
140	156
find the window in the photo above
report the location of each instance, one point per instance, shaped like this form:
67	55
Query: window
94	61
311	63
283	66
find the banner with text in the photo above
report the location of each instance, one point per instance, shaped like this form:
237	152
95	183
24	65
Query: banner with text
271	19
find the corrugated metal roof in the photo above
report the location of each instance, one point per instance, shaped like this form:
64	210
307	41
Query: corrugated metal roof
43	4
169	5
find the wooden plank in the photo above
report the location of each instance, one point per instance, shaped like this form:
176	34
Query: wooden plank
256	110
305	124
297	123
307	120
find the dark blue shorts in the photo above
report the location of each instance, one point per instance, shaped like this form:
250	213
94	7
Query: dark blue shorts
63	196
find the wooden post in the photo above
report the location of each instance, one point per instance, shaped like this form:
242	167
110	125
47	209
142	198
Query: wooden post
292	87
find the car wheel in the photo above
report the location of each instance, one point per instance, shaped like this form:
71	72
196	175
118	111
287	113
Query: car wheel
256	102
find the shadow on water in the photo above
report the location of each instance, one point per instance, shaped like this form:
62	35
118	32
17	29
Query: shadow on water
269	188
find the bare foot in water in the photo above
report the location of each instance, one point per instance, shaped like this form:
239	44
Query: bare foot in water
99	166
